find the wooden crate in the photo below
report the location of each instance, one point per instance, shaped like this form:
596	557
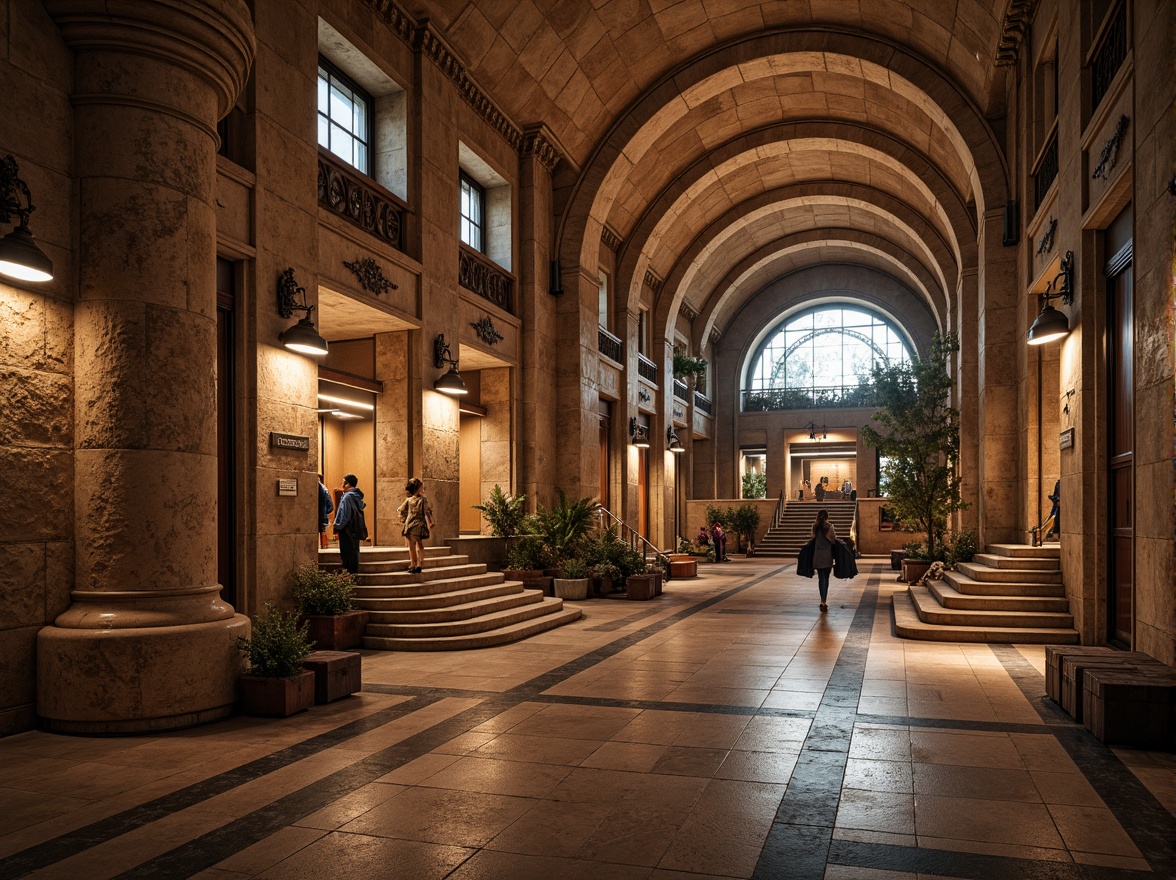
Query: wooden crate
1135	708
337	674
1053	664
1074	667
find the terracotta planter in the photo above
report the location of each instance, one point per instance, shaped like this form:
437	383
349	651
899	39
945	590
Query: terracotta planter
913	569
574	589
336	632
277	697
643	586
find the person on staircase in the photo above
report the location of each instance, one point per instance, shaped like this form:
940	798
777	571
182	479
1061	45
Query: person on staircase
823	537
349	523
416	520
326	505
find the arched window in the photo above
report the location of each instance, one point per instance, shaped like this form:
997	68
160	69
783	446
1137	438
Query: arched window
820	357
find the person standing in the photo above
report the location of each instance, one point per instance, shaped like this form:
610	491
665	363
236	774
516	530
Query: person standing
416	520
719	539
1054	520
349	523
823	537
326	505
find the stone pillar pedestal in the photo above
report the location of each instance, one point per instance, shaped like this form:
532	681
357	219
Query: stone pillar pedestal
147	643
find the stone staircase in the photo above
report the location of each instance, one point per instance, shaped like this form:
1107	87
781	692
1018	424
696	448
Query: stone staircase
1011	594
452	605
786	537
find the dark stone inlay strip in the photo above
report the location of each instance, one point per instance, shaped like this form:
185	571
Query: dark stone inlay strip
43	854
1151	827
950	863
798	842
622	622
955	724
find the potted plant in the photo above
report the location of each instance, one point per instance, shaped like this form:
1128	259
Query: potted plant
605	575
647	583
745	522
324	601
920	439
564	527
689	368
276	683
915	561
527	559
504	513
574	582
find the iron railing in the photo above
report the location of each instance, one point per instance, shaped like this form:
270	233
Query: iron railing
634	538
776	399
610	346
478	274
779	514
681	391
1047	171
359	200
1108	57
702	402
646	368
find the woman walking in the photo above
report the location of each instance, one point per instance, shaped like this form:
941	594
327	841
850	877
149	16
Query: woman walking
823	537
414	519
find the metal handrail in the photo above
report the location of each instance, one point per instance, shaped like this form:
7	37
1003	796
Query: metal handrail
634	537
853	529
779	514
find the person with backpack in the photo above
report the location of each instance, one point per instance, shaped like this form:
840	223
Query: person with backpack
416	519
349	523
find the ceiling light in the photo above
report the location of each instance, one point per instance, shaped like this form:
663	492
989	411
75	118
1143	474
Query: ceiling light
343	401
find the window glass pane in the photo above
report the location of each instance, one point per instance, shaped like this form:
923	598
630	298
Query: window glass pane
322	91
324	128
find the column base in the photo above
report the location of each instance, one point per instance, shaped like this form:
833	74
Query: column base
137	680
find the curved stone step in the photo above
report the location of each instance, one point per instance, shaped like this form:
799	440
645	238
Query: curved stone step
1048	551
993	560
964	584
429	562
908	625
931	611
401	602
1009	575
380	554
949	597
430	590
443	614
536	607
500	636
439	573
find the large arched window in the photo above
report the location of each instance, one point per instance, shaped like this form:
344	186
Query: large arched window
820	357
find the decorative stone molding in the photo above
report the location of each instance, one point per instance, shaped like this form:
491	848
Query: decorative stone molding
212	40
610	238
477	274
1012	34
370	276
715	335
345	193
486	330
654	283
687	311
538	141
1047	238
1109	156
644	396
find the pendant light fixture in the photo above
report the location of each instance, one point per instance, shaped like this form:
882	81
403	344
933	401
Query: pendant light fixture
1051	324
451	383
20	258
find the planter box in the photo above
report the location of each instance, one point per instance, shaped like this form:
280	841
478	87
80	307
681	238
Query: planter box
335	632
683	565
643	586
277	697
574	589
337	674
523	574
896	557
1135	709
912	570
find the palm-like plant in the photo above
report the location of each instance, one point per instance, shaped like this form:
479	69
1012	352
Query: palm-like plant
564	527
503	512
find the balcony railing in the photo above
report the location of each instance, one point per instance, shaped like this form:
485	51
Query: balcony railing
1108	57
610	346
646	368
1047	171
359	200
703	403
775	399
681	391
485	278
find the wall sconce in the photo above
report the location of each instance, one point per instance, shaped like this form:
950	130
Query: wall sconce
812	426
1069	394
451	382
302	337
639	433
1051	324
20	257
674	441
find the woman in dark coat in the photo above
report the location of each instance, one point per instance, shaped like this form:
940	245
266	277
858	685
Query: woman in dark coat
823	537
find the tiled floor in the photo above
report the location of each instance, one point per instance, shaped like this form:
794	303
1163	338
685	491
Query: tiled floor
725	730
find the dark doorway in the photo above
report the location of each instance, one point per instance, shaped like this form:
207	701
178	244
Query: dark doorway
226	475
604	454
1120	435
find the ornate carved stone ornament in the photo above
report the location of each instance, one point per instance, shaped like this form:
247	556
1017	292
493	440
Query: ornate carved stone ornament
1045	245
644	396
715	335
539	142
346	194
687	311
1110	151
370	277
654	283
610	238
486	331
1016	22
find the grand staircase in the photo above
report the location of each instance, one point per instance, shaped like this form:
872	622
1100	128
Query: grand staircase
793	528
452	605
1011	594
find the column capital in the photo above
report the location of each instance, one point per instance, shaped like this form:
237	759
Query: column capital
211	39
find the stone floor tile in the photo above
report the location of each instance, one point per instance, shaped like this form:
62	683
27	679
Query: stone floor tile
1092	830
773	767
971	749
538	749
863	836
269	851
685	761
552	828
725	831
1106	860
490	865
493	776
886	811
874	775
349	807
881	744
853	872
983	847
373	858
1021	824
437	815
986	783
1065	788
640	757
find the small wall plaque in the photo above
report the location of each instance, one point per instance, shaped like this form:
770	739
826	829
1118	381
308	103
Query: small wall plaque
289	441
287	487
1066	439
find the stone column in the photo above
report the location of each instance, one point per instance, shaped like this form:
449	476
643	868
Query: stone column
147	643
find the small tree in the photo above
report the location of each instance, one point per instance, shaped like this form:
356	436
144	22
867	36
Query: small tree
920	437
745	522
755	485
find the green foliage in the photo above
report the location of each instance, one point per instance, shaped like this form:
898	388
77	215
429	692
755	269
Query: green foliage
755	485
920	437
720	515
564	527
745	521
686	366
605	548
503	512
575	568
964	545
322	592
529	552
277	644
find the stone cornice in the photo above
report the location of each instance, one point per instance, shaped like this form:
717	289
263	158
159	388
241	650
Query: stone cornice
610	238
654	283
421	36
687	311
211	39
1016	22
